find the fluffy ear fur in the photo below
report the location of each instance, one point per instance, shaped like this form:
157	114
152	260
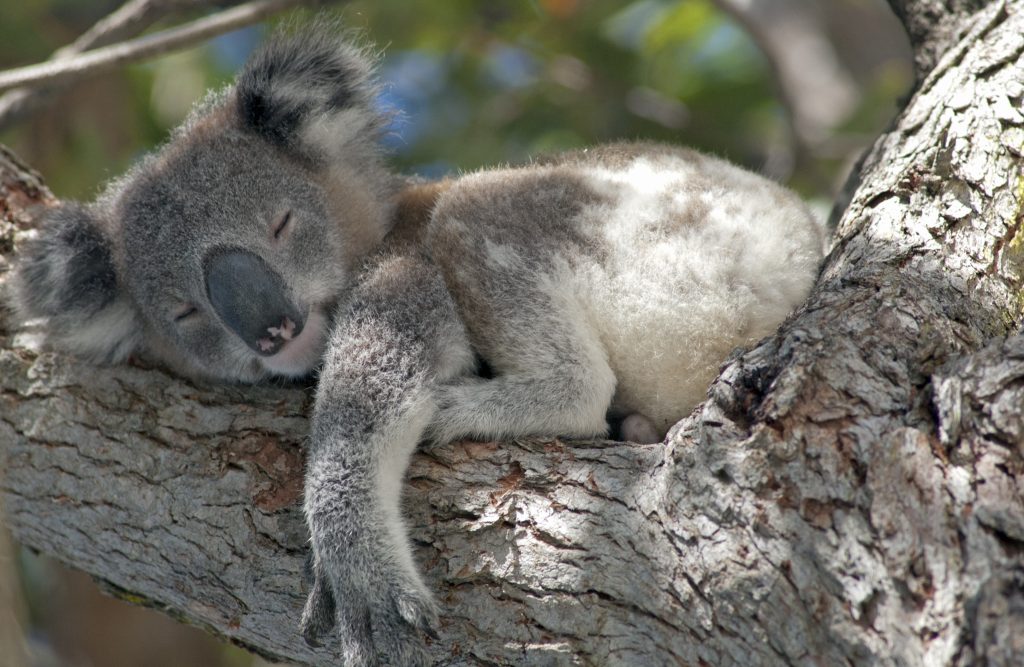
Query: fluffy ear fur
67	275
311	93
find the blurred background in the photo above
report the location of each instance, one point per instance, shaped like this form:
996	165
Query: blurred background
795	89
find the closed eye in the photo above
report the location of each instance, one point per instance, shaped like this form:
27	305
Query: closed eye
282	225
185	312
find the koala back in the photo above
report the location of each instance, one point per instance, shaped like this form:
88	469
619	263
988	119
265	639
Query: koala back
662	258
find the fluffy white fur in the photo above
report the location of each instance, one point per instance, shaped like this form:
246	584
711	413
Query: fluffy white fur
669	310
653	267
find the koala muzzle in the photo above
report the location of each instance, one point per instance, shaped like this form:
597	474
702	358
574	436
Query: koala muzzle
252	300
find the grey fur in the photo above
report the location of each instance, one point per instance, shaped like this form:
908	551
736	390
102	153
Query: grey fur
605	281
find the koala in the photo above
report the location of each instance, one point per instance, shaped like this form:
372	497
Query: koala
269	238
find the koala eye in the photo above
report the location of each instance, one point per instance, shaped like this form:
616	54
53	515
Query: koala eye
282	224
186	311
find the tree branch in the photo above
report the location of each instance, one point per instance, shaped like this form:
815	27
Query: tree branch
129	20
846	495
110	57
126	21
814	88
934	26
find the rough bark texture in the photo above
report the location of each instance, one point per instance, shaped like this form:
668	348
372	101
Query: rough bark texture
852	492
934	25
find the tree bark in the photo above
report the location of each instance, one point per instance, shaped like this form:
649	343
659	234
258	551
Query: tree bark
852	491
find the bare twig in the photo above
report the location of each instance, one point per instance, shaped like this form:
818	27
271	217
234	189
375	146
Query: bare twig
125	22
106	58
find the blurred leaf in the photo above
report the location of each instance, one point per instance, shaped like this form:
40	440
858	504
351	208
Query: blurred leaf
471	83
681	24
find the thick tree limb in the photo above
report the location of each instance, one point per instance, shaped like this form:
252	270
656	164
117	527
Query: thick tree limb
936	25
850	493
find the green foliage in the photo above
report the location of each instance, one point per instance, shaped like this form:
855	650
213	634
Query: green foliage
473	83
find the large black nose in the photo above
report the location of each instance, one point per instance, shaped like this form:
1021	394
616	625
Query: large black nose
252	299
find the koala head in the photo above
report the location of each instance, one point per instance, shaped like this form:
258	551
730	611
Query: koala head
223	253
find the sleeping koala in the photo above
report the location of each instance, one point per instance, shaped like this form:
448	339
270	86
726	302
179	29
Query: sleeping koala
269	238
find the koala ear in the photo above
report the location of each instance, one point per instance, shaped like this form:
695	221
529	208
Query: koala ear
67	275
310	93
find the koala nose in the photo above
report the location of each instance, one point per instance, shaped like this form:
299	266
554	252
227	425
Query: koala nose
251	299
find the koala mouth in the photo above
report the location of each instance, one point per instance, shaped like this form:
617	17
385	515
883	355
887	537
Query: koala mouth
299	351
278	336
255	303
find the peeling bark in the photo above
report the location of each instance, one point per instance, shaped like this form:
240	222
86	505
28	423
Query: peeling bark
850	492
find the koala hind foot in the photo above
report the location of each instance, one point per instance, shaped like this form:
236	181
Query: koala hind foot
639	429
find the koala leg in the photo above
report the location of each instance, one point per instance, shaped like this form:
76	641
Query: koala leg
551	377
374	400
568	403
511	246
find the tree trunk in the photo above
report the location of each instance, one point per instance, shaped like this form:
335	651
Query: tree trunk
852	491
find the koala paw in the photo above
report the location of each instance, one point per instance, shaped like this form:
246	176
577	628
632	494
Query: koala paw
379	622
461	411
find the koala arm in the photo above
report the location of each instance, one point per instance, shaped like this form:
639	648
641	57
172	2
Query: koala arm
390	347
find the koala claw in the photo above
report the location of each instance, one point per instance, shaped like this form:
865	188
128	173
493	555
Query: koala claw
318	617
376	628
